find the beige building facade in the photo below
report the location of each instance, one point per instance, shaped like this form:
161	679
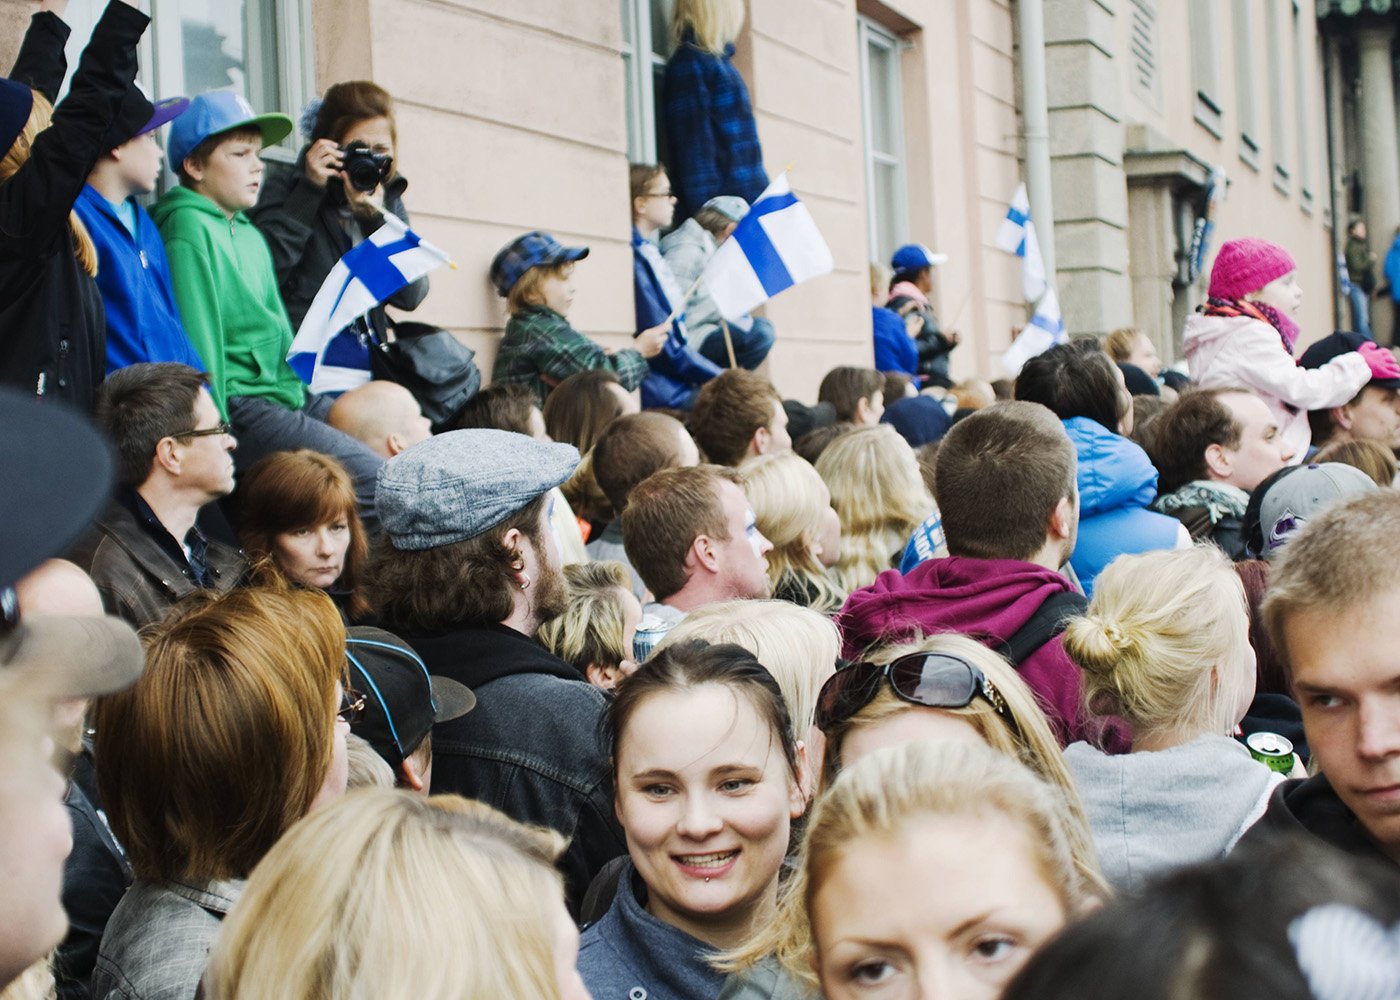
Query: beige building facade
900	121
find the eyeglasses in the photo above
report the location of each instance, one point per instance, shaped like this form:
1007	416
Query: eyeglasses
934	680
352	706
659	194
219	428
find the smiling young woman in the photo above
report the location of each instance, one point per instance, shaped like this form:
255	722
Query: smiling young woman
708	780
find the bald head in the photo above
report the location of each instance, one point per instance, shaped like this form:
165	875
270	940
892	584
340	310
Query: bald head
58	587
383	415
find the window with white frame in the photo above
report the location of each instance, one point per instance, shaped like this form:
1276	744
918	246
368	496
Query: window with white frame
882	96
646	45
257	48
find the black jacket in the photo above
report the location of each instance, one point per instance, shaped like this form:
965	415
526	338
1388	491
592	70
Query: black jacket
53	336
137	573
532	747
302	227
1311	806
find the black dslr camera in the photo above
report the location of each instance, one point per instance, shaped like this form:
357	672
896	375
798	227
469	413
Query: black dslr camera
364	168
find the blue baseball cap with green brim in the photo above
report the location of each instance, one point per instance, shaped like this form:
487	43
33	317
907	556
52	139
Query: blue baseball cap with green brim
221	111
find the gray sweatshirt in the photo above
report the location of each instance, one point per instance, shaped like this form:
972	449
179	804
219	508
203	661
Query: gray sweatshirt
1154	811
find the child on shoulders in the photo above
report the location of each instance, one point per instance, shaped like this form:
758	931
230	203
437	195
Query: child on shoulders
1245	335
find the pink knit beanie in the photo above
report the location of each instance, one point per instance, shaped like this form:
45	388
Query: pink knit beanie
1247	265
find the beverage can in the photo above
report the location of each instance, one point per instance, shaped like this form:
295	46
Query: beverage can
1272	750
649	632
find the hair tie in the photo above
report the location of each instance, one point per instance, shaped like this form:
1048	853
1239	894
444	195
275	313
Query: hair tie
1346	954
306	124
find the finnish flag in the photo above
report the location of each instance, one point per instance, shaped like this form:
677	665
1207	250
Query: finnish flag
1017	235
775	246
1044	331
367	275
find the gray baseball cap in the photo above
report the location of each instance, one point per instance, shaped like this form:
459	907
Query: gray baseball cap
1304	494
454	486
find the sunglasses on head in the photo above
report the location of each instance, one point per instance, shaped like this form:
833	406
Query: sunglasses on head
934	680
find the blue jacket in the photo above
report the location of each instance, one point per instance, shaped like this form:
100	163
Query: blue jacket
710	130
1116	483
895	350
630	953
143	321
677	372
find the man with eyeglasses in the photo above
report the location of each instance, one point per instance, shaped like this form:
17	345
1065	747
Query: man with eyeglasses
174	456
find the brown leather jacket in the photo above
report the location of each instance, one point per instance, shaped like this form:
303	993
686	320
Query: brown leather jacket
139	581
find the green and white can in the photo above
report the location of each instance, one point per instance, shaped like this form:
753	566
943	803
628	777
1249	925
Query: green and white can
1271	750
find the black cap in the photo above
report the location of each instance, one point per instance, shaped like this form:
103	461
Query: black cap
401	700
803	419
1334	346
47	503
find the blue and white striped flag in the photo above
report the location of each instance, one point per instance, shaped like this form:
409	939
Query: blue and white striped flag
392	257
775	246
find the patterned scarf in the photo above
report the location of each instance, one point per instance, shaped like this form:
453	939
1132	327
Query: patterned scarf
1287	329
1219	499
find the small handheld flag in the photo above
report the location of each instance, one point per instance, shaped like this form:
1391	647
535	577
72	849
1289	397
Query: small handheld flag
777	245
389	259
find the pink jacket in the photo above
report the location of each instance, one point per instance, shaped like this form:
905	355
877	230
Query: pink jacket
1240	352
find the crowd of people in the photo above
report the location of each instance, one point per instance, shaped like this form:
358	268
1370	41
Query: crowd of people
625	676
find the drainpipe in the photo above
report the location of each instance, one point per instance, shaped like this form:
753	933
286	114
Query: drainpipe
1030	16
1332	89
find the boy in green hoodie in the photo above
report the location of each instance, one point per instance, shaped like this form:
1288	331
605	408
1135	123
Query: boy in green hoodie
226	288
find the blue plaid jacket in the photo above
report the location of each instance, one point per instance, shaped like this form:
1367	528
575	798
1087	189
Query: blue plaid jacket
710	130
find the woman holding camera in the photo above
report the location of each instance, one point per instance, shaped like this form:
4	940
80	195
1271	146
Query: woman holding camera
334	197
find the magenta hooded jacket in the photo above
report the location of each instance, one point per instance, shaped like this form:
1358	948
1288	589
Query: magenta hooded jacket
987	599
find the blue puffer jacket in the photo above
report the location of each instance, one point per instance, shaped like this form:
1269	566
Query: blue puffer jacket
677	373
1116	483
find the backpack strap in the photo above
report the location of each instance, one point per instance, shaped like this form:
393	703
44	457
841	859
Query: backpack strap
1049	620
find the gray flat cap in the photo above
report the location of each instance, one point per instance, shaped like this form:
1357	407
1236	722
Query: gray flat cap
454	486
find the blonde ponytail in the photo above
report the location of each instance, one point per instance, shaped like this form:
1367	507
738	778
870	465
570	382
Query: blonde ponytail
1165	643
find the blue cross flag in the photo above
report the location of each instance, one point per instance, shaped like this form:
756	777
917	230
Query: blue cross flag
1046	327
775	246
392	257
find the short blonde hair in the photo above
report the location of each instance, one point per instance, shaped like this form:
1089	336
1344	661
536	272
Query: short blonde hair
785	493
1157	630
1120	344
715	23
796	645
894	786
593	628
386	895
879	493
366	769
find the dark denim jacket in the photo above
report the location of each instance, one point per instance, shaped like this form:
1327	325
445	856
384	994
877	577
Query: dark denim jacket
532	747
157	942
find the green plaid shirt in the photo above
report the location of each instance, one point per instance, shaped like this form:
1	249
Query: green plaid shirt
540	349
